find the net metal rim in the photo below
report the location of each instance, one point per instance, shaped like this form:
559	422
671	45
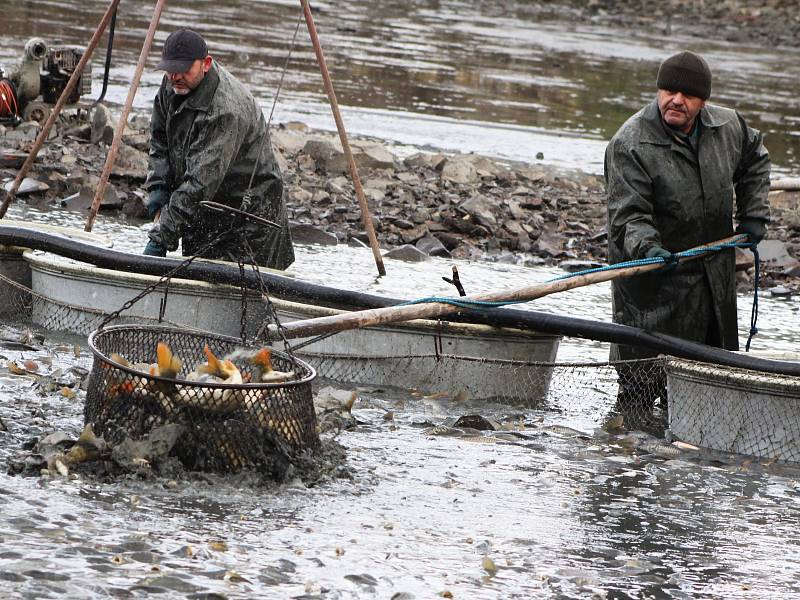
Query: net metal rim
311	373
734	377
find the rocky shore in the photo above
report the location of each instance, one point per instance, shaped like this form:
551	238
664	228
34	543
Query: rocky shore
461	206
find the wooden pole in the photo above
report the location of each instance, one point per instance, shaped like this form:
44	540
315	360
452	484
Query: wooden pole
123	118
366	218
786	184
429	310
62	100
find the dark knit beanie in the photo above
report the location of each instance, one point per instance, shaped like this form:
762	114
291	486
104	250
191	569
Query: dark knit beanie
685	72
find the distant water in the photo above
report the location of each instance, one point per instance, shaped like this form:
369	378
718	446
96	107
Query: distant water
488	77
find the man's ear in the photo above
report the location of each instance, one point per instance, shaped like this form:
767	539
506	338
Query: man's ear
207	63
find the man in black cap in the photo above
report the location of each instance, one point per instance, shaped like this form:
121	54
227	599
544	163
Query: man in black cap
672	173
209	142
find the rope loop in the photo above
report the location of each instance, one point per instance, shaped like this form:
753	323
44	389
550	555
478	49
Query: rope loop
754	311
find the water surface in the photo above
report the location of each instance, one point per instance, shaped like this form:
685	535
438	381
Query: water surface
556	515
494	78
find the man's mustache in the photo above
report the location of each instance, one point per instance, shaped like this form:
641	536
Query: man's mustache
676	108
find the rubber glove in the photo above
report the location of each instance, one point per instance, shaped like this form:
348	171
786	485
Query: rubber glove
153	248
158	199
756	229
670	260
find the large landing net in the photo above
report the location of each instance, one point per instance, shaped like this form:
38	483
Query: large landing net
248	408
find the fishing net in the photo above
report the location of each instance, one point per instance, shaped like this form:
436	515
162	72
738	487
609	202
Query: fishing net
223	426
735	410
15	282
587	394
758	415
23	305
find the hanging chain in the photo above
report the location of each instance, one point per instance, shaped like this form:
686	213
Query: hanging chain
243	288
164	278
272	312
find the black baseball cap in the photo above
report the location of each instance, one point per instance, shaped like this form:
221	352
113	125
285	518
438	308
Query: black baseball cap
181	49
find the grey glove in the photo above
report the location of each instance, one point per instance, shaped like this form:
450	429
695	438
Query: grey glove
756	229
159	198
670	260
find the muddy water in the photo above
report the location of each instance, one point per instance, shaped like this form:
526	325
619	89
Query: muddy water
536	514
545	515
495	78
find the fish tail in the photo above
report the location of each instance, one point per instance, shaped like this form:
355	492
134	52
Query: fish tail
168	363
214	365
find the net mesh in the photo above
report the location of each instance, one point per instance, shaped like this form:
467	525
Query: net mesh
735	410
225	425
729	410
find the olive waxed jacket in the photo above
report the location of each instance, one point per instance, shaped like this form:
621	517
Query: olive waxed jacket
661	192
204	146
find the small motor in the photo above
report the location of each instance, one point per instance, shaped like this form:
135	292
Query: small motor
58	66
43	71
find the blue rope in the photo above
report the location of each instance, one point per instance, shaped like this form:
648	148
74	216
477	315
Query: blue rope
754	311
487	304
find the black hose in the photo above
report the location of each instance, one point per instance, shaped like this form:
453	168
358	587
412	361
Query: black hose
289	288
112	26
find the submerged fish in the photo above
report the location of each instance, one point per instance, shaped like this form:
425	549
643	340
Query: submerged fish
480	439
663	450
444	431
565	431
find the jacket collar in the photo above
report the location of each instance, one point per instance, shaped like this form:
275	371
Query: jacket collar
653	129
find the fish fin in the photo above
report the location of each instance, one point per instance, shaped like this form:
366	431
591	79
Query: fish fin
169	365
214	366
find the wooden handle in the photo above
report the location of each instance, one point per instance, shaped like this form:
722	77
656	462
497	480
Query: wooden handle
429	310
366	217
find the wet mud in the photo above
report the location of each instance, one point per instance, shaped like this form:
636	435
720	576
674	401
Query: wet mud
430	495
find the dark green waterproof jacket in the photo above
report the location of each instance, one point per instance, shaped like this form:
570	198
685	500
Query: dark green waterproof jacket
205	146
662	192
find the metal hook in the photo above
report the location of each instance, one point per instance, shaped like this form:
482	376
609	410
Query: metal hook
223	208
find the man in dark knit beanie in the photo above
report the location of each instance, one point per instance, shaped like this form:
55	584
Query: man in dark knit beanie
673	171
684	85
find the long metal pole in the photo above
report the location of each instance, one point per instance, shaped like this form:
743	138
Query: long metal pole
366	218
62	100
123	118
